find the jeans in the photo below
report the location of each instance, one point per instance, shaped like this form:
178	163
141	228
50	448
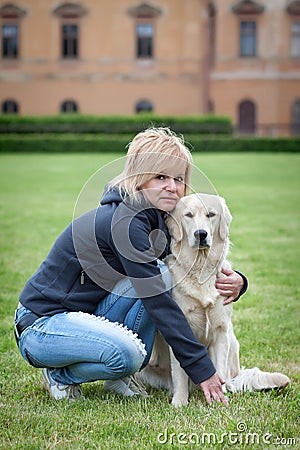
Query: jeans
78	347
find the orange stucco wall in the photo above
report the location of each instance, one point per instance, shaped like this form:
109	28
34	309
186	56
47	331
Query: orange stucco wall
107	78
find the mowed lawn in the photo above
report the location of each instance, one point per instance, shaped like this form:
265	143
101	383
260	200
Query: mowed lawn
40	193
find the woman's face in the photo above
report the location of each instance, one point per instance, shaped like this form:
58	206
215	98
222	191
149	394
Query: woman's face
164	191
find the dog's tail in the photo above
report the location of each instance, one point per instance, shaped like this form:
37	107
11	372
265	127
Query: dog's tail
257	380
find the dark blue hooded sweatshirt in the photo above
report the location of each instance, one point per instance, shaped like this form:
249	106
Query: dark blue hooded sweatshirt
118	239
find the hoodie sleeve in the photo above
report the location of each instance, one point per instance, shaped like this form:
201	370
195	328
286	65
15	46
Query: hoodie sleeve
245	286
137	255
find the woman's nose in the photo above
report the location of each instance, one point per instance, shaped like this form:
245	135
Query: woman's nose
171	185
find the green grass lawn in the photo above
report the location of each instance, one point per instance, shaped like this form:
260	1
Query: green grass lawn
38	194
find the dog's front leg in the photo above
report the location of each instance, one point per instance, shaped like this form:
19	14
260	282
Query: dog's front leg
180	382
218	351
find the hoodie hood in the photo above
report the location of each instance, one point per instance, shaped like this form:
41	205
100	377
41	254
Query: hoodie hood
111	195
136	202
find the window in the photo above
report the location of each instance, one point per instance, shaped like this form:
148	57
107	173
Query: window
247	117
143	106
69	106
243	9
69	15
144	16
10	15
10	42
295	39
69	40
247	38
10	107
144	32
296	118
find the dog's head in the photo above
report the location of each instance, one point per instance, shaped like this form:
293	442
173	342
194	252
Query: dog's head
202	219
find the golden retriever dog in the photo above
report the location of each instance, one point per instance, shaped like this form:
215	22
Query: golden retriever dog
199	229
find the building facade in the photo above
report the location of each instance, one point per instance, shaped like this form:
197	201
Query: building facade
172	57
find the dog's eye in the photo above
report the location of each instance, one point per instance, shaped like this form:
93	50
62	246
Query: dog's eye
189	214
211	214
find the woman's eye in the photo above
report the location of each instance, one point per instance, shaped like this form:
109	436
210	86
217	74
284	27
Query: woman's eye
189	214
211	214
160	177
179	179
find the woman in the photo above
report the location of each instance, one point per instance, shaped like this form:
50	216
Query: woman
91	310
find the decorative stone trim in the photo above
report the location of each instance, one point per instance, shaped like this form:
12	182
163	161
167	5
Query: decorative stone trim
248	7
145	11
70	10
293	8
10	10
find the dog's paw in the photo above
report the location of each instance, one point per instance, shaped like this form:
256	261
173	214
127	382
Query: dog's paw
178	402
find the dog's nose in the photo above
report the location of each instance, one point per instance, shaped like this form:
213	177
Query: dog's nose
200	234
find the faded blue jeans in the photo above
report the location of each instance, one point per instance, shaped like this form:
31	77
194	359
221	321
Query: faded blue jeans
78	347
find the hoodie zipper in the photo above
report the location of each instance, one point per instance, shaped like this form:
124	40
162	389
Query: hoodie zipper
82	277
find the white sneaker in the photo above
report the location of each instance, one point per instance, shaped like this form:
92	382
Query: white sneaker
125	386
58	391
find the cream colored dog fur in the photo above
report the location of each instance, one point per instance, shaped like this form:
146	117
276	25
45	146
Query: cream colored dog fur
199	229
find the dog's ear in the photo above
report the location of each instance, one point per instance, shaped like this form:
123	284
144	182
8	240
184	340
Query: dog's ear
225	219
174	227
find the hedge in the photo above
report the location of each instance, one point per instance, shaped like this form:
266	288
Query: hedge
63	143
78	123
85	143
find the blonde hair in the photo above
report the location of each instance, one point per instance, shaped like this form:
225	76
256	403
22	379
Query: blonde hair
152	152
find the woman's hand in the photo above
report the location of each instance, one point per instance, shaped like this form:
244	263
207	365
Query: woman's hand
229	286
212	388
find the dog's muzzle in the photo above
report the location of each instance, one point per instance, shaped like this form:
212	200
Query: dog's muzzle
201	239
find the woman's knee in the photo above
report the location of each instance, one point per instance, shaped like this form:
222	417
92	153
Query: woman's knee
125	356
